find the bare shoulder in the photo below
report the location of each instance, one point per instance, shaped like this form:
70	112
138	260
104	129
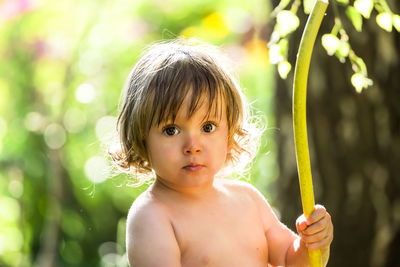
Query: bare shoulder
149	229
242	187
234	184
144	208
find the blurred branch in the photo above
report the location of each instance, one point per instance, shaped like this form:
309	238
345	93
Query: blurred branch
50	242
48	251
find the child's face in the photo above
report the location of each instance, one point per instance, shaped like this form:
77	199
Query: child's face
190	151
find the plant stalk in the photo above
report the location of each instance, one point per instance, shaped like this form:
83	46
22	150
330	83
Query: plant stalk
299	114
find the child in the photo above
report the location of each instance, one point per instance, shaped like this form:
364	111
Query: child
184	119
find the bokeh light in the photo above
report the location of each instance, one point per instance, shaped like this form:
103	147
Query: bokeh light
75	120
85	93
97	169
106	129
55	136
35	121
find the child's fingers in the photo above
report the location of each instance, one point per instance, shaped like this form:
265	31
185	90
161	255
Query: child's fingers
320	239
315	222
301	223
321	243
315	237
316	231
318	226
318	213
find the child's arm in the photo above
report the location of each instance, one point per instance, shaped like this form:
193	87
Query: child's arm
285	248
150	238
315	232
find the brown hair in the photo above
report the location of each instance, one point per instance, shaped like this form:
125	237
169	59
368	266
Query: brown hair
158	84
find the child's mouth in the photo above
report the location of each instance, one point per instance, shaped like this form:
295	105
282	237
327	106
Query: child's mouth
193	167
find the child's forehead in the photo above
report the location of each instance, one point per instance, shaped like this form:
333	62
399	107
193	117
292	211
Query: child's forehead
206	108
199	106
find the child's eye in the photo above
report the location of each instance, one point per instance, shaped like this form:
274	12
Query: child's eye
209	127
170	130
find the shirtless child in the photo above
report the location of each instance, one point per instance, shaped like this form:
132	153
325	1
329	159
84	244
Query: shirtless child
184	119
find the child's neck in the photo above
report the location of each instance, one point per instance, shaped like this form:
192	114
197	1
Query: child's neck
163	186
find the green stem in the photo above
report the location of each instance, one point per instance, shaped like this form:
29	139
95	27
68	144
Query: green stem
299	114
382	6
295	6
281	6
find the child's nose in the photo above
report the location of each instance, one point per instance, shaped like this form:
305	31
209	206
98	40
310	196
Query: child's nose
192	146
192	150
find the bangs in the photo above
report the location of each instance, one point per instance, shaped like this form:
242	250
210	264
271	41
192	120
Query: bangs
180	81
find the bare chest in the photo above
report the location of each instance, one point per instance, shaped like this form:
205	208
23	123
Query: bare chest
221	235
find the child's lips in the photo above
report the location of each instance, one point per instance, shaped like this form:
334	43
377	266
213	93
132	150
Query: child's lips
193	167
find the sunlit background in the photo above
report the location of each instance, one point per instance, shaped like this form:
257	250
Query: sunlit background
62	67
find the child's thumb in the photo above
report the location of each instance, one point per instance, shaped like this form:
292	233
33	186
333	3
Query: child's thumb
301	223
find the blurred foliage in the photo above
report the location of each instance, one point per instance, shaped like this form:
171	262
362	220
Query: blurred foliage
337	42
63	65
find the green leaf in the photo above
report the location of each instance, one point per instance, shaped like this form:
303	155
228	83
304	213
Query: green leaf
364	7
360	81
355	18
331	43
396	22
384	20
345	2
308	6
286	22
284	68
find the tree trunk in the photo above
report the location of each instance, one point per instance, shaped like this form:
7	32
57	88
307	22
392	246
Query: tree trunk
354	144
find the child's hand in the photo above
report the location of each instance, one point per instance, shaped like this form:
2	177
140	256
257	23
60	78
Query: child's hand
316	231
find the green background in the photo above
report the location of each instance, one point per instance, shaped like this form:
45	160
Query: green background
62	67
